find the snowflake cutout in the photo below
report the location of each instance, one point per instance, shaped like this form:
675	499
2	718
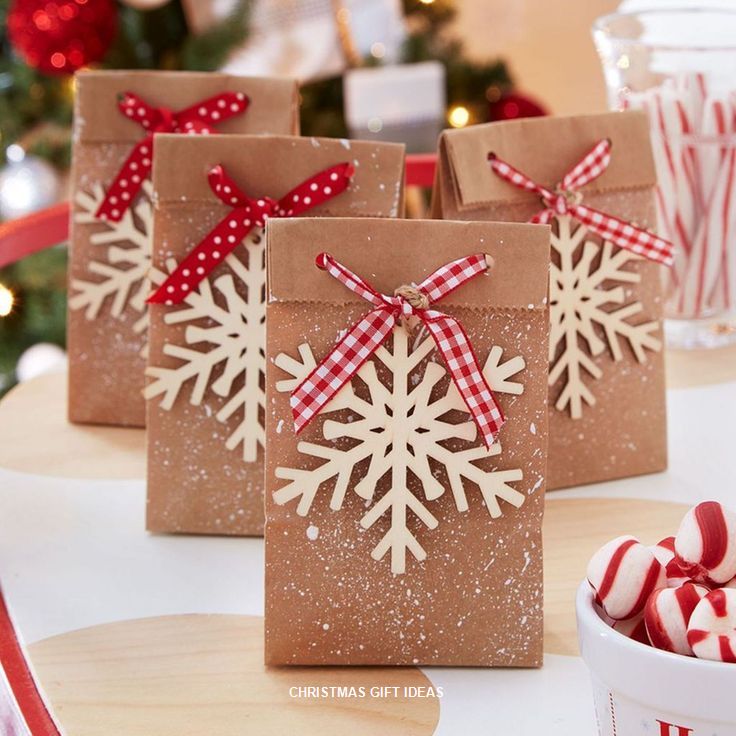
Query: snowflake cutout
123	269
401	429
231	329
581	297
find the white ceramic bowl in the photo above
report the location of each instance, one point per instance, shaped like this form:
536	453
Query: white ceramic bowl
642	690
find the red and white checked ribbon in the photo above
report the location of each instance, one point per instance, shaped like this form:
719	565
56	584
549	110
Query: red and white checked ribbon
246	214
197	119
364	338
566	199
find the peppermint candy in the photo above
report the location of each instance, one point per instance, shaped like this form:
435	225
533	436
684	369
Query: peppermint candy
664	551
678	595
705	545
667	615
624	573
712	629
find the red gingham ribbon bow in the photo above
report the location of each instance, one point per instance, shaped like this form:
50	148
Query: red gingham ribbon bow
246	214
364	338
197	119
566	199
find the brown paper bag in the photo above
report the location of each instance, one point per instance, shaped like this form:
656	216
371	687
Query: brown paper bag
344	580
607	403
206	362
107	318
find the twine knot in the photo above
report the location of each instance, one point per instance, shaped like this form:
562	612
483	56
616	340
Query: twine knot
413	296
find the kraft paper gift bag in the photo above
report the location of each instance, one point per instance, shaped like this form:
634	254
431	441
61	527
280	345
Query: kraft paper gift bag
206	366
110	246
592	178
399	528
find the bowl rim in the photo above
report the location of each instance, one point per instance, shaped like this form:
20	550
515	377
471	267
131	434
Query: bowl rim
589	619
600	23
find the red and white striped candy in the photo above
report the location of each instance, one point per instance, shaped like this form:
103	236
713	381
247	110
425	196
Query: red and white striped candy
675	576
712	629
668	613
624	573
634	628
664	551
705	545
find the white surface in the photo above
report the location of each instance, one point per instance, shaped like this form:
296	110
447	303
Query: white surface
702	453
73	553
556	700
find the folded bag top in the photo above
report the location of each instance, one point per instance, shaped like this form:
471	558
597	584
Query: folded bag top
544	149
273	103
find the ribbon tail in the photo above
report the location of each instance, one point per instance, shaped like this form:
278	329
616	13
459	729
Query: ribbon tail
346	358
453	275
213	110
198	264
625	234
543	218
316	190
137	109
126	185
455	347
590	167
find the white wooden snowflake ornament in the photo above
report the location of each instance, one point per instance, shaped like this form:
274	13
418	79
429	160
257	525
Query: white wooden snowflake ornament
397	431
585	287
125	257
225	347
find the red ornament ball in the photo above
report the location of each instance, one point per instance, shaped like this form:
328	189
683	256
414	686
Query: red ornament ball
510	106
61	36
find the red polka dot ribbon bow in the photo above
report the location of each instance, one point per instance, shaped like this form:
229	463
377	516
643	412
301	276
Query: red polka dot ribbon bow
566	199
364	338
246	214
197	119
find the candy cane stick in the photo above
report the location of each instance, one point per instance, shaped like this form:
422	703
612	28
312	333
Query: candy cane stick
722	297
666	198
718	296
683	207
690	195
714	185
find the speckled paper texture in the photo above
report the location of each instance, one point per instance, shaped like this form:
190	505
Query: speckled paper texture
624	433
195	483
476	599
106	363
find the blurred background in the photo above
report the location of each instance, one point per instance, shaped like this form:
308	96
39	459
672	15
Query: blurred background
382	69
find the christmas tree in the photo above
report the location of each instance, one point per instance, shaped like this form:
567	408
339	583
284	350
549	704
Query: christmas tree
37	89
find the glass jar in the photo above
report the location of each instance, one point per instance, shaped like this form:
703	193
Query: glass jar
679	66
